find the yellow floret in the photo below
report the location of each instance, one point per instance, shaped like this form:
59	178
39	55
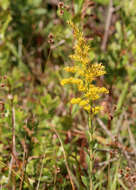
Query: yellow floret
83	103
75	100
70	69
96	109
88	108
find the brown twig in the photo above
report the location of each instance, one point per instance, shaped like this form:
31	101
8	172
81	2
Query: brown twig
53	2
132	140
13	133
107	25
107	162
14	154
22	172
38	184
13	145
73	10
121	147
105	129
25	160
65	158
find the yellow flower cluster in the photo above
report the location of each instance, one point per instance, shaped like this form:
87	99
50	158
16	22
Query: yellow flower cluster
85	74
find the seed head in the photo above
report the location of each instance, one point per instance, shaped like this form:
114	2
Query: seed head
61	5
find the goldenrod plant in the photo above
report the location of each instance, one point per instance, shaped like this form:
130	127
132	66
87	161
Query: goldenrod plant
85	73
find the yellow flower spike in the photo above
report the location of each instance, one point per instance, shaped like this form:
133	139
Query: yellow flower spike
81	87
64	81
75	100
70	69
71	80
76	81
96	109
85	73
87	108
83	103
80	72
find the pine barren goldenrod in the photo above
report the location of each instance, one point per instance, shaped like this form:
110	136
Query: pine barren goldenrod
85	73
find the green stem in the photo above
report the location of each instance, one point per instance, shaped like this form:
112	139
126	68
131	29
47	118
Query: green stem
91	133
122	98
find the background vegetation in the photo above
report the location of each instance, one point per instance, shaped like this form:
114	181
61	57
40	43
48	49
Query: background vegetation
43	144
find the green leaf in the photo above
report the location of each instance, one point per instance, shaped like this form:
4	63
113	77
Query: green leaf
84	180
4	4
40	11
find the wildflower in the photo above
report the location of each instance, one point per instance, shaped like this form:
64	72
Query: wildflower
83	103
75	100
85	74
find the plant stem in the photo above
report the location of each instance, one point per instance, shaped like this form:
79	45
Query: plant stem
65	160
91	132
